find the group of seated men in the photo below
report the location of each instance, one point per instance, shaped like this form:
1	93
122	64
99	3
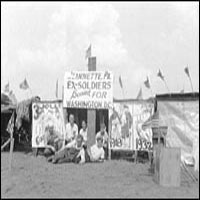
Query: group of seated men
75	148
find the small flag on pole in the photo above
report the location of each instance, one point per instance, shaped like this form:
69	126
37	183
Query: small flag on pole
139	96
160	75
187	71
188	74
146	83
120	82
57	88
88	52
7	88
162	78
24	85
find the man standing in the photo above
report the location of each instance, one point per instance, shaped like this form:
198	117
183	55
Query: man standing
71	129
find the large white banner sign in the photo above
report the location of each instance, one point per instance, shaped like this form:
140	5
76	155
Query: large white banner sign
88	89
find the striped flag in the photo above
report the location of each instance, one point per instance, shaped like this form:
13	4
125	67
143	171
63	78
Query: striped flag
24	85
160	75
10	126
120	82
88	52
7	88
187	71
147	83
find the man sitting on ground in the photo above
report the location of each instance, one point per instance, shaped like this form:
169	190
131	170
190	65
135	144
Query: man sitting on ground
69	153
103	133
54	143
94	154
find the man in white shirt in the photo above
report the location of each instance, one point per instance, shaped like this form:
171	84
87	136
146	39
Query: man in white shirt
94	154
83	131
71	129
103	133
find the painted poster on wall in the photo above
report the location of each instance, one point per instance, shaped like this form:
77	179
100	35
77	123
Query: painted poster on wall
47	123
129	126
142	114
121	126
88	89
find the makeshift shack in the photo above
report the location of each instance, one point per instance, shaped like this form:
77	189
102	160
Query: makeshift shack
8	107
180	112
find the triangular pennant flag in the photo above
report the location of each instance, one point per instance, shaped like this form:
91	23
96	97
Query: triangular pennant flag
146	83
24	85
187	71
139	96
160	75
88	52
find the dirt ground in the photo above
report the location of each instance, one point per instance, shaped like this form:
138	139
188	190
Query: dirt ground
34	177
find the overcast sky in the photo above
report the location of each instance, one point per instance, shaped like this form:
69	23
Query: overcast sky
42	40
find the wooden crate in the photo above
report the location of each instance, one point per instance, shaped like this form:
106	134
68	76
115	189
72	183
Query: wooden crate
167	166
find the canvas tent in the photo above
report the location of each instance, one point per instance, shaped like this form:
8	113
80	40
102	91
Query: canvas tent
180	112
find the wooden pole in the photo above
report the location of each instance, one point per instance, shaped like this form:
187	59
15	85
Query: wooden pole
11	145
91	113
11	154
5	144
109	133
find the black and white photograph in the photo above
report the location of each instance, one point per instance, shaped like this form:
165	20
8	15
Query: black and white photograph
100	99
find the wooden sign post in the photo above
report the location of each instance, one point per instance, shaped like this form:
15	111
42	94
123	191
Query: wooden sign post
91	113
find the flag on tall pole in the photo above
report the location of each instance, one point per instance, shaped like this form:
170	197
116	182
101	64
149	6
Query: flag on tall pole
160	75
187	71
139	96
147	84
57	89
88	52
162	78
188	74
24	85
7	88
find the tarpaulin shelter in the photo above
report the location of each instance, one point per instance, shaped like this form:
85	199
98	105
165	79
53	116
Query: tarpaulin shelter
180	112
8	107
